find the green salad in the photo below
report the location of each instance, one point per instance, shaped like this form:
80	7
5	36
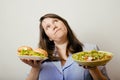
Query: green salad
92	55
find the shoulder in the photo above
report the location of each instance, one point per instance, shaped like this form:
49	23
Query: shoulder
89	46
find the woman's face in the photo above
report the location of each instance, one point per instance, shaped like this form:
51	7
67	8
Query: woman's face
55	29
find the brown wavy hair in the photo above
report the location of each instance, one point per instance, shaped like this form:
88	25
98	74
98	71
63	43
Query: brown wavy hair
74	45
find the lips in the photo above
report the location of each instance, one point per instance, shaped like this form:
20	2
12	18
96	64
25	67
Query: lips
57	31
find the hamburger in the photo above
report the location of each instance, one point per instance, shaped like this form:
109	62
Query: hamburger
28	52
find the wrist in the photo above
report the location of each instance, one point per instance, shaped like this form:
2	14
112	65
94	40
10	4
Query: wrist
35	68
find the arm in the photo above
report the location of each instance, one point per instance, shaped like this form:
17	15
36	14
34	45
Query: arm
35	69
96	74
34	74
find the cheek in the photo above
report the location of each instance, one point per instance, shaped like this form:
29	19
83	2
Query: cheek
48	33
65	29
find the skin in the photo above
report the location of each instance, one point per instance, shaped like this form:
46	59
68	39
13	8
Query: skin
57	32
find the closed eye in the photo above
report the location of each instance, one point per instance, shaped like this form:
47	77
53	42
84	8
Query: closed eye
48	26
55	20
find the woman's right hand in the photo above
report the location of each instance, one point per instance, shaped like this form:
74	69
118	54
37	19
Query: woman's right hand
32	63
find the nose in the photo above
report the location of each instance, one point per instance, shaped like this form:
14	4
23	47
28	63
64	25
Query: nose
54	27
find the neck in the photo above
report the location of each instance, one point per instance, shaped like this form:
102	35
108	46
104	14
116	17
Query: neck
61	45
62	48
61	41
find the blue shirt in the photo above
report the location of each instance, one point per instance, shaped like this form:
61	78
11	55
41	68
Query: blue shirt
70	71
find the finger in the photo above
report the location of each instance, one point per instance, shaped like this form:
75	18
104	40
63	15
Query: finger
35	62
24	60
89	67
85	67
29	62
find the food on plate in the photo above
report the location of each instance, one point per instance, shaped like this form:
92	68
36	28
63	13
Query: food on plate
92	58
24	50
28	52
41	51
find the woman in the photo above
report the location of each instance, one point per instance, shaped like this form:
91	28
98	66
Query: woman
59	41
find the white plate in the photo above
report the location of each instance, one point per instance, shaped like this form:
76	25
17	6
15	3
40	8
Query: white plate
31	57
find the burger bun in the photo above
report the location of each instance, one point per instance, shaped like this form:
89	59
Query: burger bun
24	48
41	51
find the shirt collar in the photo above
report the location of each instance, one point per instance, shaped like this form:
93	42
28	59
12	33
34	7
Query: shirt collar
68	63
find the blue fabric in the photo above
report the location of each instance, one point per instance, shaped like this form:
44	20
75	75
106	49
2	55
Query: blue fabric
54	71
70	71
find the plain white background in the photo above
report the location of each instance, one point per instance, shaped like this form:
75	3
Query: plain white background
93	21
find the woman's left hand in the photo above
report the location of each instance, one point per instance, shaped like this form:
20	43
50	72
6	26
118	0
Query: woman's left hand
89	67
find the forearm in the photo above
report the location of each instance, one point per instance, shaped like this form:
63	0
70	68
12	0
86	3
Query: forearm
96	74
34	74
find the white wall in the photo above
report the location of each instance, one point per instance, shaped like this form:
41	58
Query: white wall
93	21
